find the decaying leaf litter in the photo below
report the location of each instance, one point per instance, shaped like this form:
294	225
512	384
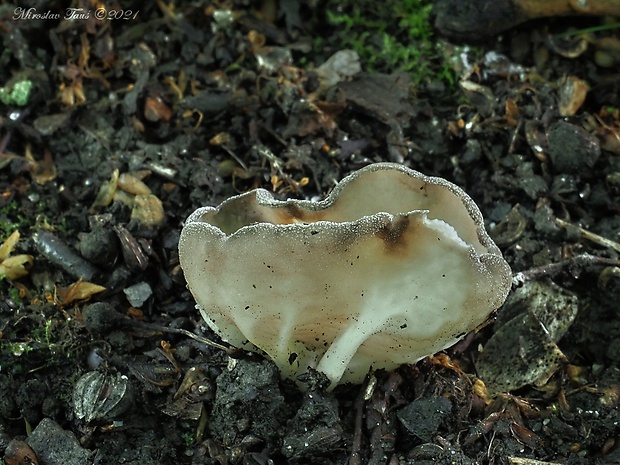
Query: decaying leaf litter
131	125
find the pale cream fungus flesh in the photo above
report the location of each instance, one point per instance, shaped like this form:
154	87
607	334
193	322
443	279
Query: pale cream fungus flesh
392	266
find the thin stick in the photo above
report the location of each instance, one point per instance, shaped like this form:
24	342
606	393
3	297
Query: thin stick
552	269
600	240
165	329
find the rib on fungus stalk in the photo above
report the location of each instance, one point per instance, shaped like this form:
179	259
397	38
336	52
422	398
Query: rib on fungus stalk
392	266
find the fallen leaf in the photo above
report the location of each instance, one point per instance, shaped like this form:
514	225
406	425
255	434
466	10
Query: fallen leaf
42	171
79	290
106	192
13	267
9	245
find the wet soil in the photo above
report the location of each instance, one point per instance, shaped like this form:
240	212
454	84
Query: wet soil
136	120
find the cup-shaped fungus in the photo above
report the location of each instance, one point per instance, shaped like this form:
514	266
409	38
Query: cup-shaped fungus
392	266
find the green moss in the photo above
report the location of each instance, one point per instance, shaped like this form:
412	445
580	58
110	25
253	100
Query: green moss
16	94
11	219
189	439
14	295
391	36
16	348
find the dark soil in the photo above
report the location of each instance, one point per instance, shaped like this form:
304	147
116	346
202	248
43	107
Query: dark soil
136	121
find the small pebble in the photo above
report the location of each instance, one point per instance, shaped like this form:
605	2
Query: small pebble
99	246
572	149
138	293
100	318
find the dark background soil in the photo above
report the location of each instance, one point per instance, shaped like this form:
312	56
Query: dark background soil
135	121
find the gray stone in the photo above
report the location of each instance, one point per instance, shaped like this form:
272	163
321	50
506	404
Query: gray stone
423	417
138	293
56	446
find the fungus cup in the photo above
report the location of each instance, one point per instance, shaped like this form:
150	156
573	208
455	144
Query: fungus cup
392	266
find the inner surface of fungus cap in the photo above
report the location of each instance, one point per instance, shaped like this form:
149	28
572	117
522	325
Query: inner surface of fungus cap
392	266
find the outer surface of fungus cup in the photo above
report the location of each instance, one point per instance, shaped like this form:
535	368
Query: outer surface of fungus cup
392	266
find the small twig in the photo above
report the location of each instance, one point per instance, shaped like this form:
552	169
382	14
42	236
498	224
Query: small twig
600	240
552	269
4	143
522	461
514	137
356	448
165	329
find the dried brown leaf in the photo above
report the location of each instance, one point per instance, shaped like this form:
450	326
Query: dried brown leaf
13	267
9	245
42	171
16	267
131	184
106	192
80	290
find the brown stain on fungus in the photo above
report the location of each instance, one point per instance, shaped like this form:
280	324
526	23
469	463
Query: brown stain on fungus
287	214
295	212
393	234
